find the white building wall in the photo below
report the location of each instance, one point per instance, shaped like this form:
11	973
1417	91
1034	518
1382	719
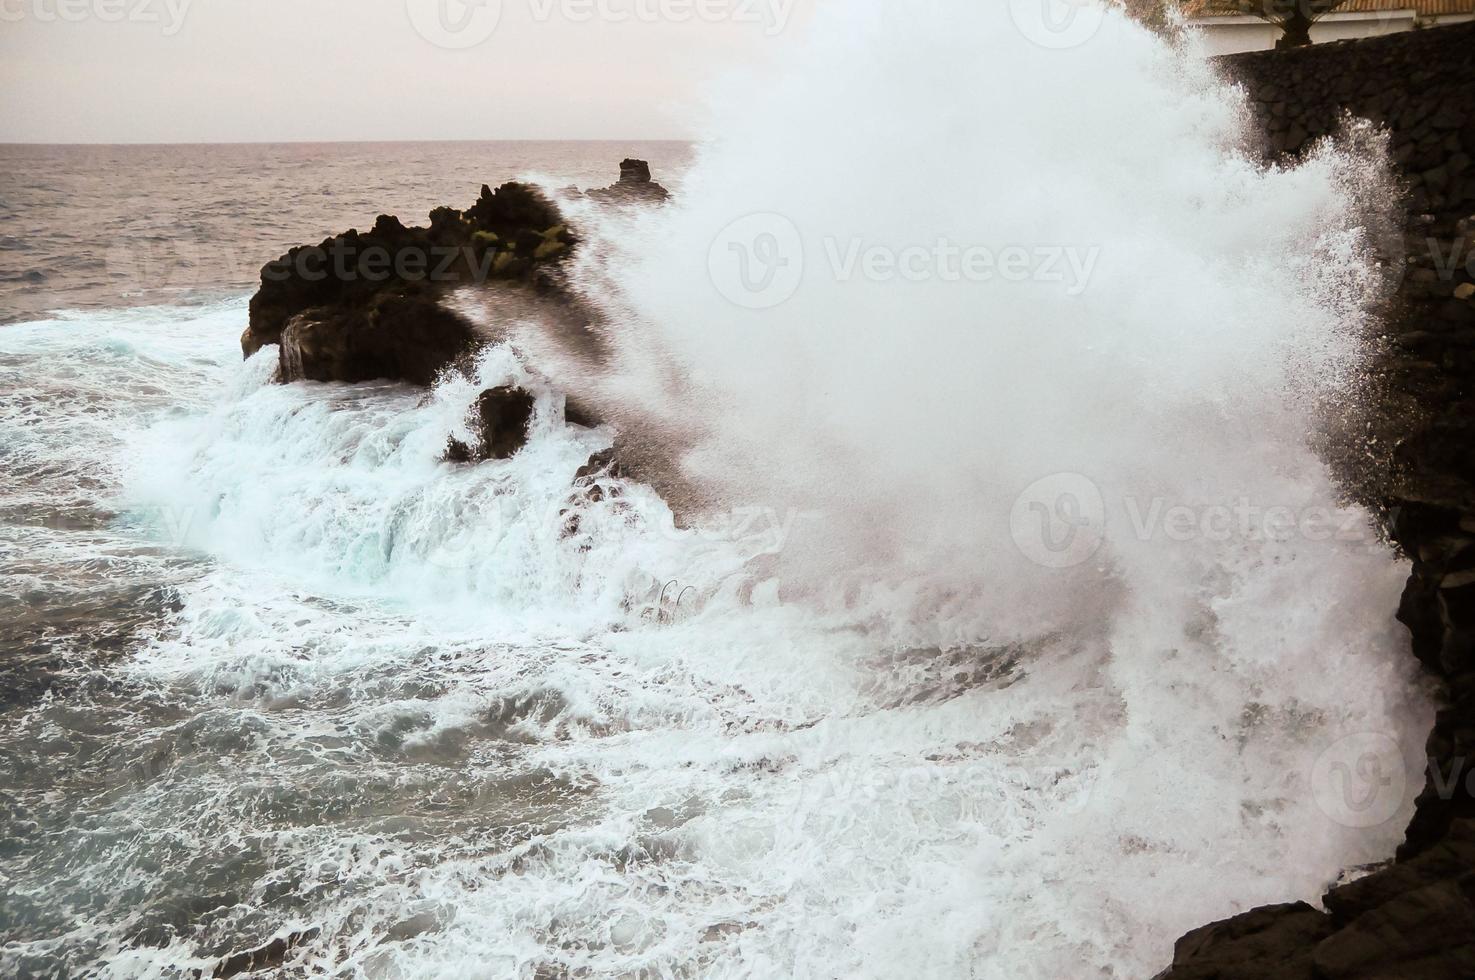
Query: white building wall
1229	35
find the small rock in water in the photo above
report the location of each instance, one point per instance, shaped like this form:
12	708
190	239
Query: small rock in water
634	186
500	418
602	463
575	412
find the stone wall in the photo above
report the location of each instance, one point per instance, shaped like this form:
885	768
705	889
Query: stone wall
1420	86
1415	916
1416	83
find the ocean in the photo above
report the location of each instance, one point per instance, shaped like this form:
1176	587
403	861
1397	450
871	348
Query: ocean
275	672
100	227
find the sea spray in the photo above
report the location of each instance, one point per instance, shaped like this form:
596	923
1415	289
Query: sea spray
1168	298
989	456
1063	641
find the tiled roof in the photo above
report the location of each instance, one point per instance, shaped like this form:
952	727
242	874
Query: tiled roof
1423	8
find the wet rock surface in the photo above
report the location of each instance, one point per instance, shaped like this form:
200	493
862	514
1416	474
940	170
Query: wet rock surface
1243	948
606	462
365	306
398	336
635	186
500	419
1415	916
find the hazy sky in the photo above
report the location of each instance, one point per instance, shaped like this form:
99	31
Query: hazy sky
227	70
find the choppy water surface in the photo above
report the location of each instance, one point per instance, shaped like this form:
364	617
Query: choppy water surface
272	671
99	227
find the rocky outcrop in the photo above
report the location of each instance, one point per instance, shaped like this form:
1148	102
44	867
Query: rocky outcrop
402	336
500	420
1240	948
576	412
1414	916
605	463
362	306
1438	607
633	187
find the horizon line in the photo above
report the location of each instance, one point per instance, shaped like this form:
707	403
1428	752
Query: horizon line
327	142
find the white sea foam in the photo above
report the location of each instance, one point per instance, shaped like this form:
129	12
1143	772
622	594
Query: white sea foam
852	722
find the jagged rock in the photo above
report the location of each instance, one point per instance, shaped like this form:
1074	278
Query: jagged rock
592	486
576	412
401	337
364	306
1448	795
1438	607
512	210
1271	943
500	419
634	186
634	171
1450	858
603	463
1428	933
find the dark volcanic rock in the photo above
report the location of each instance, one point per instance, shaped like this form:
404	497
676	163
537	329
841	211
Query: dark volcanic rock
1271	943
634	186
500	419
405	337
363	306
1415	916
576	412
1428	933
1447	859
603	463
513	210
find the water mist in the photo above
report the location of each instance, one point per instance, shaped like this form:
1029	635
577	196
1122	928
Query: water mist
1061	631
